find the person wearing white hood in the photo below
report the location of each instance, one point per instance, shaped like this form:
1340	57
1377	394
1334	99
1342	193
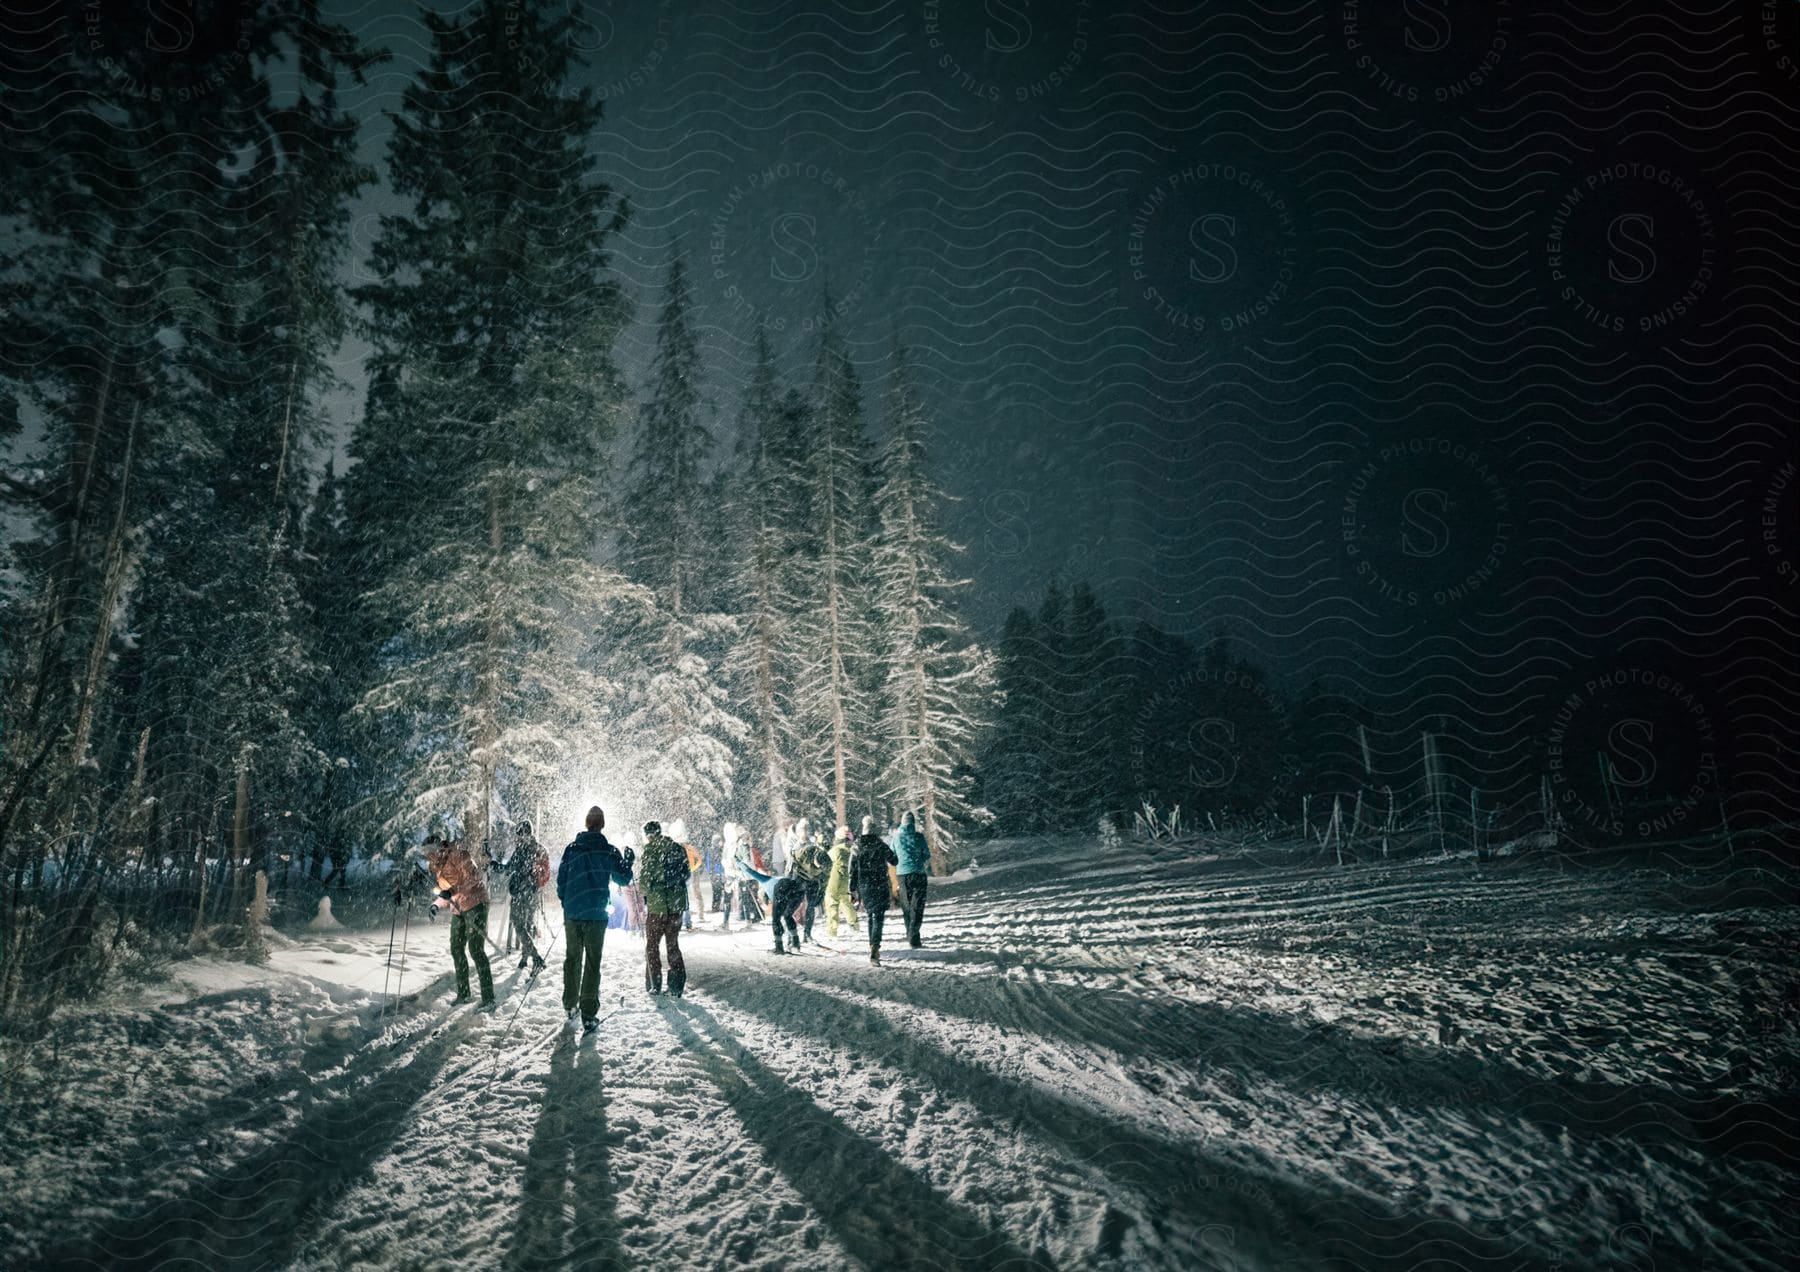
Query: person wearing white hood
732	875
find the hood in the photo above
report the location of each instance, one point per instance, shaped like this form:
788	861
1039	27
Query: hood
590	841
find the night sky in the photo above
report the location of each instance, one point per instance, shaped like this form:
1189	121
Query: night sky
1441	353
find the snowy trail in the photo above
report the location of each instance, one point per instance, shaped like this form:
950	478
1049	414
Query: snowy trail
1393	1066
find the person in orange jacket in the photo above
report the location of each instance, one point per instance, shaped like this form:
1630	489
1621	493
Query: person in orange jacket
696	899
463	890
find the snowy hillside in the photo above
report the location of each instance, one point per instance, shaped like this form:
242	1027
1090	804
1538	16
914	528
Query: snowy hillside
1117	1058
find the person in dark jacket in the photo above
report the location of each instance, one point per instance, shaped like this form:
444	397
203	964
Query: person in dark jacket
914	865
664	879
589	866
810	863
785	894
869	881
527	870
463	891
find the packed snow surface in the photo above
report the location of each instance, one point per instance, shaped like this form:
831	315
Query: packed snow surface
1104	1057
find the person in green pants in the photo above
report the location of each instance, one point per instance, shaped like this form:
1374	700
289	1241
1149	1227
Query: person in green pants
837	885
462	888
664	881
589	865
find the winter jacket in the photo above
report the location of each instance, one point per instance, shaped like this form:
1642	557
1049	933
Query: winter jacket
455	870
810	863
662	873
869	867
589	864
912	855
840	865
767	882
521	871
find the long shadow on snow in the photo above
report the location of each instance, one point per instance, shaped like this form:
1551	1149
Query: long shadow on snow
885	1215
570	1154
252	1215
250	1106
1192	1192
1329	1057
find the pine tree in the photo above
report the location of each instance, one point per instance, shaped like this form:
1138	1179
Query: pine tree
834	636
1013	773
1094	728
476	492
770	487
329	592
222	624
680	703
141	328
939	682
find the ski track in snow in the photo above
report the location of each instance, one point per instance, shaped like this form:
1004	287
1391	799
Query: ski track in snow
1101	1058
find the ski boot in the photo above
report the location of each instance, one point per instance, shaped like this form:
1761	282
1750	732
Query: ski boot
652	984
875	957
677	983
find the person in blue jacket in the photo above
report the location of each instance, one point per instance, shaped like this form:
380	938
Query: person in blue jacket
913	869
589	865
785	893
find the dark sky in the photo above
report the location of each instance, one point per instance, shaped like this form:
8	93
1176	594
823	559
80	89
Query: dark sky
1448	347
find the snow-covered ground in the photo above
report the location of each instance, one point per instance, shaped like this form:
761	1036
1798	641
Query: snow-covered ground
1118	1057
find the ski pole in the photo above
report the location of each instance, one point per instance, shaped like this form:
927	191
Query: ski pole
393	923
530	982
405	929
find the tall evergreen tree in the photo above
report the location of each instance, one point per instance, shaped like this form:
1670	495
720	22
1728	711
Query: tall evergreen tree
1013	773
1094	698
493	320
835	641
229	670
771	483
330	591
939	682
161	281
680	702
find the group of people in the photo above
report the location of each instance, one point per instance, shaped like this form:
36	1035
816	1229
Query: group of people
839	879
459	885
668	880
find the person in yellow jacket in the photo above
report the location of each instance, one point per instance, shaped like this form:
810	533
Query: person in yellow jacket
837	885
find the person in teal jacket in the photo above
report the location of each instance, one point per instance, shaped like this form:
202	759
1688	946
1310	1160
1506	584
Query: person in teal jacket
913	869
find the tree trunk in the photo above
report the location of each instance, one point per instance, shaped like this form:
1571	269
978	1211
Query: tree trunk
134	796
839	727
109	599
240	828
200	907
487	729
254	917
765	688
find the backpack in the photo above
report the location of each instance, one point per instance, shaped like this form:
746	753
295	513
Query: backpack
674	866
540	869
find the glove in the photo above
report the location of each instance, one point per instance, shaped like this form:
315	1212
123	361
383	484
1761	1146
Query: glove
447	893
630	855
